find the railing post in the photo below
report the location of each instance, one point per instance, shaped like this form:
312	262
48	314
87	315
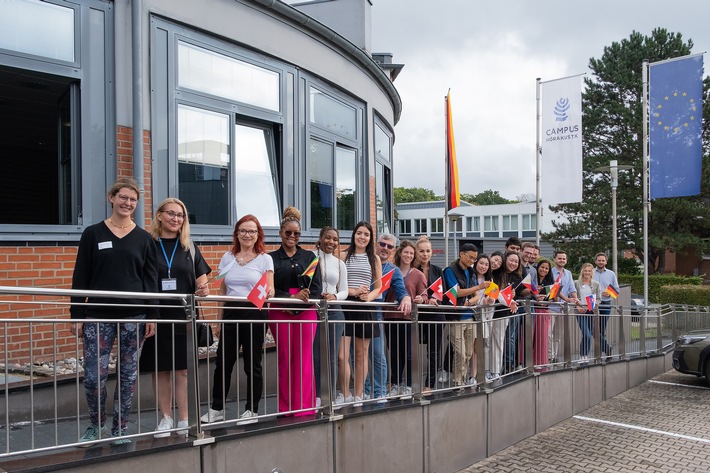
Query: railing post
567	336
596	331
417	371
528	340
659	331
674	324
643	317
193	392
325	361
622	332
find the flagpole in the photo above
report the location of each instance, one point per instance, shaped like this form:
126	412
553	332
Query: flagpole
538	206
646	203
447	178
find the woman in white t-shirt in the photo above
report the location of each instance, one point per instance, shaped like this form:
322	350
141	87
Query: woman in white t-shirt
241	268
334	277
586	287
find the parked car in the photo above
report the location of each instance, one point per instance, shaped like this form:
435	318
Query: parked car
692	353
637	303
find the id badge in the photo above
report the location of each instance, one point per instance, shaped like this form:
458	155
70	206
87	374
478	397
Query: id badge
169	284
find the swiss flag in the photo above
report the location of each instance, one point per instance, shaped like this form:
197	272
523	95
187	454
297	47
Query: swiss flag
437	290
506	295
386	281
257	295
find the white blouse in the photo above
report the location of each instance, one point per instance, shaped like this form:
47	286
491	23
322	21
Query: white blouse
334	275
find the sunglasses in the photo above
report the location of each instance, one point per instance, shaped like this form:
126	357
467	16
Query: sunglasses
389	246
288	233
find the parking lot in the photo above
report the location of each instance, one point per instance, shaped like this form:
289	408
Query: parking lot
661	425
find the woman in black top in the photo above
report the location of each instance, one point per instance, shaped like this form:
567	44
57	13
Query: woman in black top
181	270
294	341
113	255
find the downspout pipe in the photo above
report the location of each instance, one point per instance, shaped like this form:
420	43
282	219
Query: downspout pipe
137	96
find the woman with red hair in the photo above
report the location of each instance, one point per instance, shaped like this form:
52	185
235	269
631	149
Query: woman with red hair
242	267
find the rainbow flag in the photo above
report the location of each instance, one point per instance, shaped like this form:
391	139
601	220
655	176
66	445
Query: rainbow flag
311	269
453	197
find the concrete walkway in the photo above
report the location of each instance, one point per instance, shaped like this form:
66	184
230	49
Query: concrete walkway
662	425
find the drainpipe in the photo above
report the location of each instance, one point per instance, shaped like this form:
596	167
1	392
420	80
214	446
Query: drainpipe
137	93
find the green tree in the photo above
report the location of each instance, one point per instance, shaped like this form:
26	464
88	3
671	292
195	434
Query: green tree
487	197
612	129
413	194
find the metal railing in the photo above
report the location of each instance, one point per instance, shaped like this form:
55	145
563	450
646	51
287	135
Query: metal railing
291	359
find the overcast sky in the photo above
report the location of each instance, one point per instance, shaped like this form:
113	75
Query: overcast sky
489	54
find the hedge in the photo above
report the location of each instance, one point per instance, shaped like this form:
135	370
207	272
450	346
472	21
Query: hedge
656	281
690	295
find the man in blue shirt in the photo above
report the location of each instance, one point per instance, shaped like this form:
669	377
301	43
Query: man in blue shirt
385	249
567	293
606	278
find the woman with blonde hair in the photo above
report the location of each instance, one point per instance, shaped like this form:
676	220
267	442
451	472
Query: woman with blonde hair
586	286
181	270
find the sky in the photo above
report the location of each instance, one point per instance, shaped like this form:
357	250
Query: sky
489	53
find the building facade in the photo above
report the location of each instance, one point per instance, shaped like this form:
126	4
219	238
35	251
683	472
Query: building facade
233	106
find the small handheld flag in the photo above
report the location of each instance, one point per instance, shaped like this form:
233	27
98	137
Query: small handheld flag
612	292
257	295
311	269
591	301
554	290
506	295
437	290
492	291
530	284
453	294
386	281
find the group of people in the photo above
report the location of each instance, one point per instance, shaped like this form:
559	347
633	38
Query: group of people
117	255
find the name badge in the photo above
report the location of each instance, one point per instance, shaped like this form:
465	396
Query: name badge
104	245
169	284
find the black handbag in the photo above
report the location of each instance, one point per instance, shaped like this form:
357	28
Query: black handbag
205	337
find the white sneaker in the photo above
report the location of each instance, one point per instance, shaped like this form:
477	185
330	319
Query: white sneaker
394	391
318	403
339	401
443	376
495	376
405	392
358	401
212	416
166	423
182	425
248	417
472	381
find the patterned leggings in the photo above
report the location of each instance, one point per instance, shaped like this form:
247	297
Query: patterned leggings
97	348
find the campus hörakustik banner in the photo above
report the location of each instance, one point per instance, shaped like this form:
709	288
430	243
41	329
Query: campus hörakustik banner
561	141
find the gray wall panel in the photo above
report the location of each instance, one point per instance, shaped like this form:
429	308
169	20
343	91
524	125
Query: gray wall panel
554	398
511	415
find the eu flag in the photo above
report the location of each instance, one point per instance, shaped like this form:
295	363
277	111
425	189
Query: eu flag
676	118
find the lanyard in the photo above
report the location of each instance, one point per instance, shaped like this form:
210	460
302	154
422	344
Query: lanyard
168	261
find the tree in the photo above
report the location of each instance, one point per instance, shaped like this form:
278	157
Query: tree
487	197
413	194
612	129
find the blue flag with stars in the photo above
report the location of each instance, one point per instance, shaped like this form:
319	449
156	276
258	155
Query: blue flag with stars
675	132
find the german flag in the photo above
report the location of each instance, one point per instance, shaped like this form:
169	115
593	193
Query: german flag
612	292
453	197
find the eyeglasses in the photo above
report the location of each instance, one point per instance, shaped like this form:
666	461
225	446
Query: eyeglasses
389	246
288	233
125	198
471	257
171	214
244	232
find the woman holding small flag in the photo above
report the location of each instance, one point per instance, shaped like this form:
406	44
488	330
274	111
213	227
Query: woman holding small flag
296	276
541	328
483	277
430	333
364	284
241	270
509	278
588	293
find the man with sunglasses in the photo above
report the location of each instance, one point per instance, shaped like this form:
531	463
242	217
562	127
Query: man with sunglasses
385	248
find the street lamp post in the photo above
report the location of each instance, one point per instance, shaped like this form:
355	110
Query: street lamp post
454	217
613	169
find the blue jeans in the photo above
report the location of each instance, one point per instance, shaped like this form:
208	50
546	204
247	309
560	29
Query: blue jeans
511	341
585	322
335	333
379	364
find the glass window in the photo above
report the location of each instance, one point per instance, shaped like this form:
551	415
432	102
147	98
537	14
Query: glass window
39	131
510	223
476	224
321	158
204	164
529	222
346	188
223	76
405	227
256	176
332	114
437	225
420	226
383	143
490	223
38	28
382	196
